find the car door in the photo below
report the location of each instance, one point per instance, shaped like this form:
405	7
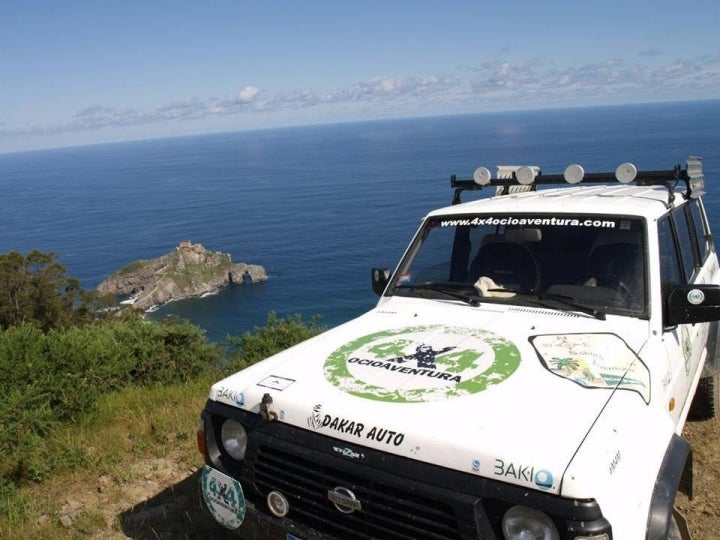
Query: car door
707	271
681	263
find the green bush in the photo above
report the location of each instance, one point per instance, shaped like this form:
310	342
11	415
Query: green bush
57	377
277	335
172	351
26	414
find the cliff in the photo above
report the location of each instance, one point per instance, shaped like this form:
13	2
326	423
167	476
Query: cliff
189	270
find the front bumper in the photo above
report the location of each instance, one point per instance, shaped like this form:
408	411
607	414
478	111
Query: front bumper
401	498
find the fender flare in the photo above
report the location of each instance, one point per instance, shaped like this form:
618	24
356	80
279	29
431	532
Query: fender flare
675	475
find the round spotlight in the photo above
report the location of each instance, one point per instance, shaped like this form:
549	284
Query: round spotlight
278	504
482	176
626	173
574	174
525	175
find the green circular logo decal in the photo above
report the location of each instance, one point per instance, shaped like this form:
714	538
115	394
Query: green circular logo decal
422	363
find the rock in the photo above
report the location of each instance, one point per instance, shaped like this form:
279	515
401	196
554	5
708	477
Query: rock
190	270
67	520
103	482
242	273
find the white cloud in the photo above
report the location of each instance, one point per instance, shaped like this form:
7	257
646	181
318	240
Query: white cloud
490	85
295	99
546	83
379	89
248	94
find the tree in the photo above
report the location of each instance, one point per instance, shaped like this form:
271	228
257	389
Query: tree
36	289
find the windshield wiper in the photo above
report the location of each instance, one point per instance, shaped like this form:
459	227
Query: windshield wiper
567	301
466	297
570	302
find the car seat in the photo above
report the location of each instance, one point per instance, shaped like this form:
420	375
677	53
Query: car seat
509	264
617	266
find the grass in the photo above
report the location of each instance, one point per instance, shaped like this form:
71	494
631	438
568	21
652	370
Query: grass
129	465
200	273
137	434
130	268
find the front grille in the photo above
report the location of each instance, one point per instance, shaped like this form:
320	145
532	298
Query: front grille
389	510
401	498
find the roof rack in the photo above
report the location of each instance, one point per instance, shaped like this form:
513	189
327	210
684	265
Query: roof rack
510	179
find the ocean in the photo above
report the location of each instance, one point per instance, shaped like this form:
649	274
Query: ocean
317	206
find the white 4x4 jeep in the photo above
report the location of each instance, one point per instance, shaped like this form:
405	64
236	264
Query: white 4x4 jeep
526	374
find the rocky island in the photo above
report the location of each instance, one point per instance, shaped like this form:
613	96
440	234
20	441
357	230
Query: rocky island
189	270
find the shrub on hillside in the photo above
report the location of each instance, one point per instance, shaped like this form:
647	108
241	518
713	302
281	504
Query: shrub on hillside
277	335
171	351
56	377
53	377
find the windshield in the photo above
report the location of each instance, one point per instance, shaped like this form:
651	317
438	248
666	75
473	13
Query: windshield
565	261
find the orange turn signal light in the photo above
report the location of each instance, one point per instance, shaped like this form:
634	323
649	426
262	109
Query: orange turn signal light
201	442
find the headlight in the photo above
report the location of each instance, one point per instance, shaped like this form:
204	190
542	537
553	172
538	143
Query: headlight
523	523
234	438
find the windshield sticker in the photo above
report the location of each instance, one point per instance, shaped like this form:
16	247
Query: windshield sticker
224	497
275	382
405	278
594	361
531	221
422	363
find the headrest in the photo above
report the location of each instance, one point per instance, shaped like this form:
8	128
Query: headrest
614	236
523	235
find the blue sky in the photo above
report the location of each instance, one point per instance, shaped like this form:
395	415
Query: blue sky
82	72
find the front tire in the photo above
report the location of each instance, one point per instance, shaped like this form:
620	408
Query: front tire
706	403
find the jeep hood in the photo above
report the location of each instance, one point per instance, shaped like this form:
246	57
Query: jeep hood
504	392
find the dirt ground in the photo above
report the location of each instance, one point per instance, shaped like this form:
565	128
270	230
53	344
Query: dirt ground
703	511
163	503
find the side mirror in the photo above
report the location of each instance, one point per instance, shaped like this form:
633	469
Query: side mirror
690	304
380	278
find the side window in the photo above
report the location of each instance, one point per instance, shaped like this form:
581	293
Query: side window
703	243
669	262
686	240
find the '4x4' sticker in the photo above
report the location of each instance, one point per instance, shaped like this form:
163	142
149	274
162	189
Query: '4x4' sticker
224	497
422	363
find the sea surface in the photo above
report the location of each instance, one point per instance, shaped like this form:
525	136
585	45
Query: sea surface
317	206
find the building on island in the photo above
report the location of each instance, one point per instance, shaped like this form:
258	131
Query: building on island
187	244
